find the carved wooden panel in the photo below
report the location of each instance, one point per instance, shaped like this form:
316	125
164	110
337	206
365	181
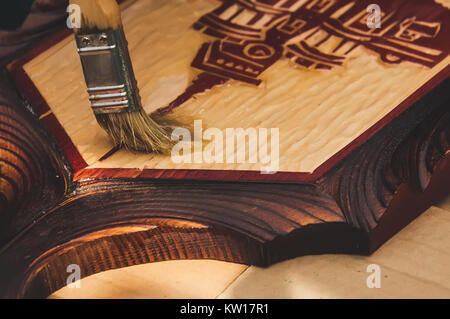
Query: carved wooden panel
353	172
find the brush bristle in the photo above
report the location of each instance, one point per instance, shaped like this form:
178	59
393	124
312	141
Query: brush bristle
99	14
136	131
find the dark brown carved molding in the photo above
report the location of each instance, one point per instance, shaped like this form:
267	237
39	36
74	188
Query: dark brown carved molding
33	173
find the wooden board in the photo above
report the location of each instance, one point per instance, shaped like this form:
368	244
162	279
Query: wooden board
322	107
59	209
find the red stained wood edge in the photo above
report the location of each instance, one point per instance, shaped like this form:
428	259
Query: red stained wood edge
194	174
70	151
40	106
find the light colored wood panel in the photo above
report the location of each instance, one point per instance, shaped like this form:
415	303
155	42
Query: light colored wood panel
318	112
414	264
170	279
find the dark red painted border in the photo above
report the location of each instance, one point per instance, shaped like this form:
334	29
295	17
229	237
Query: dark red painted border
40	106
73	156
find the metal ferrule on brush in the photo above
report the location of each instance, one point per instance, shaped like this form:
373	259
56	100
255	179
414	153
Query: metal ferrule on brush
108	72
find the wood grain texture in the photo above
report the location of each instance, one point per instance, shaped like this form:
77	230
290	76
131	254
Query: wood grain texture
50	220
33	173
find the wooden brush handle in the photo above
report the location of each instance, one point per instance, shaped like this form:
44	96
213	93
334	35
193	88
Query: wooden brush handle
99	14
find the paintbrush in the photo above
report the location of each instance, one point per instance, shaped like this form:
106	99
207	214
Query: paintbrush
110	80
